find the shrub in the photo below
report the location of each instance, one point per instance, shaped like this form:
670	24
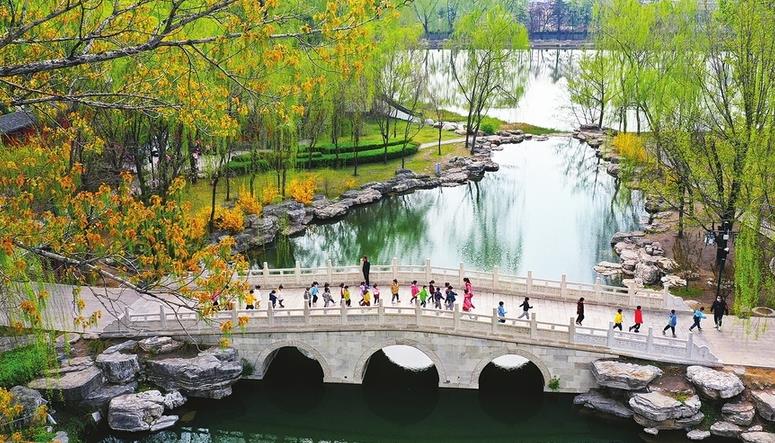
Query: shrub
229	219
242	163
554	384
370	156
248	204
247	368
488	128
303	190
329	148
268	195
19	366
631	147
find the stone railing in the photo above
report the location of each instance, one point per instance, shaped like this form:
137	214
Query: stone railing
495	282
452	322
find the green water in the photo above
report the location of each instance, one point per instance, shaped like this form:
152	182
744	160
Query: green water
550	209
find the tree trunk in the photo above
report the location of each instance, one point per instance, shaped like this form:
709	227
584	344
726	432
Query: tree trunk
211	223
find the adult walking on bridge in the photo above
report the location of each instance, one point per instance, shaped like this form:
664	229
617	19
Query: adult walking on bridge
719	308
638	320
525	308
580	311
366	267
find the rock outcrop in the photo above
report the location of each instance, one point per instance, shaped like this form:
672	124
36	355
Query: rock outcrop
765	404
714	384
657	410
99	398
159	345
697	435
208	375
758	437
72	382
139	412
118	368
726	429
599	402
628	376
739	413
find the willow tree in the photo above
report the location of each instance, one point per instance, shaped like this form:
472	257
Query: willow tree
487	42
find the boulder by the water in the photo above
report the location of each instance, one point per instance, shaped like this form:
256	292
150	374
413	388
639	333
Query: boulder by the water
619	375
159	345
71	385
127	347
714	384
99	398
599	402
118	368
758	437
726	429
205	375
139	412
765	404
697	435
740	413
657	410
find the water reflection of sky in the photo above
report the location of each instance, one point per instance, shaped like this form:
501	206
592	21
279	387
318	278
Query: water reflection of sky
550	210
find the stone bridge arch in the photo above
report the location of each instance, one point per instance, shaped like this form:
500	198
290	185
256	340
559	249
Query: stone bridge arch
362	363
263	360
492	355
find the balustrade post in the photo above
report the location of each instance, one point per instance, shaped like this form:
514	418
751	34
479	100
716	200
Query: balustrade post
343	311
427	270
306	313
162	317
563	286
598	284
461	273
265	274
234	309
456	317
330	271
666	296
495	278
529	287
494	322
394	266
631	295
381	313
650	342
572	330
533	326
417	313
690	345
297	273
609	339
270	314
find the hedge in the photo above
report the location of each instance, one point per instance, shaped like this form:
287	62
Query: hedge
348	158
241	164
329	148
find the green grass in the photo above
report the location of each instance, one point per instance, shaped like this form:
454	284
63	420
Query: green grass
331	182
23	364
684	292
530	129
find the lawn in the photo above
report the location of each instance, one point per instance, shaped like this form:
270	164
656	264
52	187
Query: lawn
330	182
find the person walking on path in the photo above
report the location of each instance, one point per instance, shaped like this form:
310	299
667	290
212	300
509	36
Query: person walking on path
346	295
468	303
307	297
250	300
394	292
618	319
313	292
375	290
365	298
580	311
437	298
699	314
341	293
273	298
468	286
525	308
414	291
423	295
638	320
719	308
257	294
501	313
327	299
366	267
280	297
672	322
450	298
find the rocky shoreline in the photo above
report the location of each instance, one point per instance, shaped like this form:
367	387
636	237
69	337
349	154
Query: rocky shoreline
292	218
115	385
700	401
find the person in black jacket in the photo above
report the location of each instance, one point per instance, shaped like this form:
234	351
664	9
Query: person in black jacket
580	311
719	308
525	308
365	268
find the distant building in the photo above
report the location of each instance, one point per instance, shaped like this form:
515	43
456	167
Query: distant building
16	126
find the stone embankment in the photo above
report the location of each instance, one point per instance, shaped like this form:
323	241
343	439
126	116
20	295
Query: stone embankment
106	386
701	401
292	218
594	136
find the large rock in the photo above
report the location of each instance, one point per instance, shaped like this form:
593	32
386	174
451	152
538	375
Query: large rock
660	411
332	210
138	412
629	376
697	435
650	274
363	196
598	402
118	368
100	398
29	400
725	429
740	413
159	345
714	384
127	347
72	386
765	403
205	375
174	399
758	437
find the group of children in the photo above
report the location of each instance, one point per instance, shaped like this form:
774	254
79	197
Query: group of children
719	309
